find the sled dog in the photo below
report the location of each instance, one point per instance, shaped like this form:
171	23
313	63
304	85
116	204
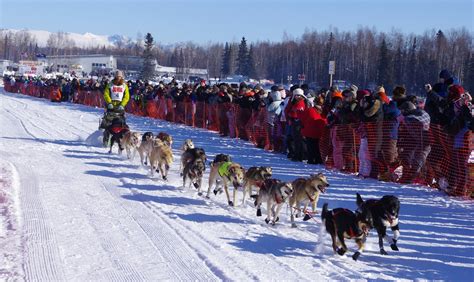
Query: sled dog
191	155
344	224
254	177
306	191
131	141
228	173
385	214
194	168
161	158
116	131
166	138
275	193
188	144
144	150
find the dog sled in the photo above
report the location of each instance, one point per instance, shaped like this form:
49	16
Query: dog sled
113	122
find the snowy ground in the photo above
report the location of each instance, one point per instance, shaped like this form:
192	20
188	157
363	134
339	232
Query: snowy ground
69	211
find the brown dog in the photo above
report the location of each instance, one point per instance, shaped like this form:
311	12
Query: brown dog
161	158
306	191
343	224
166	138
228	173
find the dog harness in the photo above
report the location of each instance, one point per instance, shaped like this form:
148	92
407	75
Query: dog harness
389	218
116	129
278	200
266	184
223	169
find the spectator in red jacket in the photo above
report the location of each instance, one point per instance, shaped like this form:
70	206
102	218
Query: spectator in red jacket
293	113
313	127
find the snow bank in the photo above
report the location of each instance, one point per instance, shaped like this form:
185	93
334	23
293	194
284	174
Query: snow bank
10	252
95	139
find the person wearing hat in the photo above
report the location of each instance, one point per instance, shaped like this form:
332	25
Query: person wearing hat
391	114
293	113
313	128
116	94
414	141
446	79
345	116
273	103
460	124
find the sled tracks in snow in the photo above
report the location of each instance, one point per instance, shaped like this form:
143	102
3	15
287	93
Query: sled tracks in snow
180	261
41	256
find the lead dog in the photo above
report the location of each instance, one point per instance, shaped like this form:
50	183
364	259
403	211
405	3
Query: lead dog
144	150
275	193
306	191
131	141
161	158
344	224
385	213
228	173
254	177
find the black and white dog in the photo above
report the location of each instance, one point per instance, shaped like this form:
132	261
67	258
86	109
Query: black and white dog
385	214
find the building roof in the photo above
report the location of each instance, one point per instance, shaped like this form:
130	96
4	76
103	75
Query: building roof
77	56
164	69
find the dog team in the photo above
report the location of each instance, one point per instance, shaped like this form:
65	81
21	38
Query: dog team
340	223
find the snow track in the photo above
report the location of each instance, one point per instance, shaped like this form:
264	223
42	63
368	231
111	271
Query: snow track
42	260
84	214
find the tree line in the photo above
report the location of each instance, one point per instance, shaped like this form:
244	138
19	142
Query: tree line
364	57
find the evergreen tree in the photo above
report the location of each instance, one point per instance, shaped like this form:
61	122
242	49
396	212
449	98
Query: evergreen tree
174	58
412	66
231	58
5	49
441	49
180	68
398	66
251	68
226	60
242	58
148	71
384	70
469	82
328	56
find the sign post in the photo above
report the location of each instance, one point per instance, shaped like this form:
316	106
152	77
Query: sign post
332	71
301	77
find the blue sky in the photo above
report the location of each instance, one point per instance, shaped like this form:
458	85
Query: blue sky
226	20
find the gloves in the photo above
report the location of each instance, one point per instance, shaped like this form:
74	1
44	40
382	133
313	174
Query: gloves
120	108
110	106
